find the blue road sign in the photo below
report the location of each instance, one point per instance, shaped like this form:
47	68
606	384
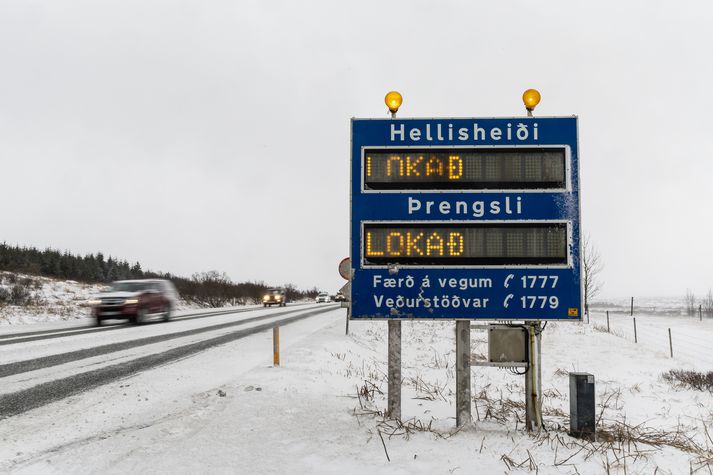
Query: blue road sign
465	219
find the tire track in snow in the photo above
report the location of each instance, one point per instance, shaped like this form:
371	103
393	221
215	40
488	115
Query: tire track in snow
62	358
13	338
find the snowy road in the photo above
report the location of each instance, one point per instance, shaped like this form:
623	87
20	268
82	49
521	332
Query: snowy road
51	364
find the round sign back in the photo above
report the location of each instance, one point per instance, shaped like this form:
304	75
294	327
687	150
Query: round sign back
345	268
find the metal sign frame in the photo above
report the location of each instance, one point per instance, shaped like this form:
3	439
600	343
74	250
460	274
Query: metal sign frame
511	292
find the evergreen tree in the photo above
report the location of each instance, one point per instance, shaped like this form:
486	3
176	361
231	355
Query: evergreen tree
206	288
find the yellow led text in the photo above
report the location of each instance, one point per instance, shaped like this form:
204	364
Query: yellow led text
420	166
417	244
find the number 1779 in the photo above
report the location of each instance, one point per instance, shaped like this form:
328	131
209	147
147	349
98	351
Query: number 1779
532	301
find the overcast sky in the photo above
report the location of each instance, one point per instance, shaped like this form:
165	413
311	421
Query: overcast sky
198	135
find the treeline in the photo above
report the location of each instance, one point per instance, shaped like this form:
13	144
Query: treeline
703	306
211	288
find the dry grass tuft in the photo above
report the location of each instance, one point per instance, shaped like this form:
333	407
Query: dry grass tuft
690	379
561	372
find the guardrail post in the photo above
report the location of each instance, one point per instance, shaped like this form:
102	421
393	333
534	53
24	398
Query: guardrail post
276	346
608	330
636	340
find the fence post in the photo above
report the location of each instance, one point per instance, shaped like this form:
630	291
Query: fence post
632	307
636	340
608	330
670	342
276	346
700	312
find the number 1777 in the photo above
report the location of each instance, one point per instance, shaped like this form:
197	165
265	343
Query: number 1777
540	281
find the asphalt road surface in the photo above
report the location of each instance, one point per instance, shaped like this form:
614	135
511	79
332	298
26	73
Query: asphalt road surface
43	366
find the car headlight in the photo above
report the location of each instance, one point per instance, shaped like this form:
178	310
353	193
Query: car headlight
267	297
94	302
131	301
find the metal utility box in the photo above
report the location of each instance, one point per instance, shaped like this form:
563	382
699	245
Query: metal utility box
582	418
507	344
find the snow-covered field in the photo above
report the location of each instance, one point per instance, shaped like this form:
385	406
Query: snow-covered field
671	305
228	410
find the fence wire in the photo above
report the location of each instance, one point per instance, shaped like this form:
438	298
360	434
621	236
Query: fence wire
691	338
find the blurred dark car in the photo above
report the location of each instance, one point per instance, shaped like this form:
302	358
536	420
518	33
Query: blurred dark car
136	301
339	297
274	297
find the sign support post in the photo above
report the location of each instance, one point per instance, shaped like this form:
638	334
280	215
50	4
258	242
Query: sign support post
533	379
346	332
463	399
393	409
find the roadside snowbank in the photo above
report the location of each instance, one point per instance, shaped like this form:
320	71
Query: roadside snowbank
48	299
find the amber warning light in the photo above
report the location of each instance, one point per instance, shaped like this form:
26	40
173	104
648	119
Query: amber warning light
393	101
531	98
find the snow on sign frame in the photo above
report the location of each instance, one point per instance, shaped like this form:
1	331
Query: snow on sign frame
465	219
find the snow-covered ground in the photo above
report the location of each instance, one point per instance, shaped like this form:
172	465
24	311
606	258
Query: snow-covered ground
50	299
671	305
227	410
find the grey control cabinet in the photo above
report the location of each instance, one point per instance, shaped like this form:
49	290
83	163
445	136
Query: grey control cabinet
507	344
581	406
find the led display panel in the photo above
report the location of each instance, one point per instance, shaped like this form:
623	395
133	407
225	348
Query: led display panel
464	244
466	169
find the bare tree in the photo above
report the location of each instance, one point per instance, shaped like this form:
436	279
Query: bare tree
592	266
291	292
213	288
690	300
708	303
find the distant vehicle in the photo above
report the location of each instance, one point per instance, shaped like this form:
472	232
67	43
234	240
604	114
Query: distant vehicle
135	300
274	297
340	297
323	297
